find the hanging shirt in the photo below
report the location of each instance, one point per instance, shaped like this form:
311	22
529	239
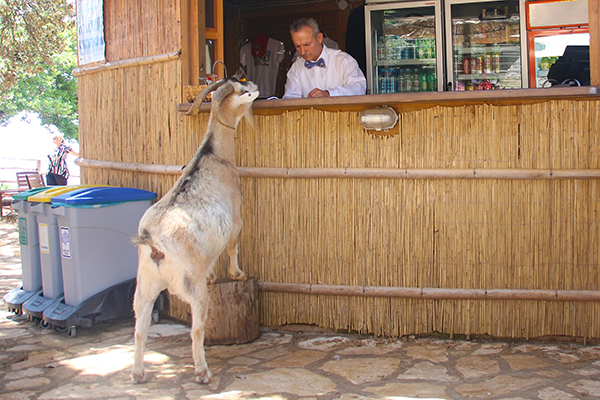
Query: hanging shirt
261	59
341	76
58	161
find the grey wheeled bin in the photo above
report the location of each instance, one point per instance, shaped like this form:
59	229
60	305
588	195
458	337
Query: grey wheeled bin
50	265
30	252
99	261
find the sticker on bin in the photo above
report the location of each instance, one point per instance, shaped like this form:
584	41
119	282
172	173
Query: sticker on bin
65	242
44	238
23	231
101	197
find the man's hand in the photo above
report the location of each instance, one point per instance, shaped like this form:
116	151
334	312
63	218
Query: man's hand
318	93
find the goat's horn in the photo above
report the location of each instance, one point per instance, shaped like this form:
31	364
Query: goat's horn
200	98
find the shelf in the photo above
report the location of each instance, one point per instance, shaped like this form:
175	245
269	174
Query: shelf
411	61
504	49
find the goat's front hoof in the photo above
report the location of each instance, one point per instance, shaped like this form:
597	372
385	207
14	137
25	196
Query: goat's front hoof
238	276
203	376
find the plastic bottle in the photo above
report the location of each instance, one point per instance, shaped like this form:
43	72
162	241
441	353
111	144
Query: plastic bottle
545	63
431	82
415	80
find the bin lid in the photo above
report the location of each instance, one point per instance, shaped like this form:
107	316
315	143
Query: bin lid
24	195
101	196
46	195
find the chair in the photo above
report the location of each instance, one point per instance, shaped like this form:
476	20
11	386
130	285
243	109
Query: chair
29	180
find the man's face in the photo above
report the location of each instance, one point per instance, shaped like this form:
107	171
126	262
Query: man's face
308	46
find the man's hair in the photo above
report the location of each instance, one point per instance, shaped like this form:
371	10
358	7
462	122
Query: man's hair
302	22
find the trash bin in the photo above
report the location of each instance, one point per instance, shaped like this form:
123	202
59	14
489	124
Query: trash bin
50	263
99	261
96	226
30	252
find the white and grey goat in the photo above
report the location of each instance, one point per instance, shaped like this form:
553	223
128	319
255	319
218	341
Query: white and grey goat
181	236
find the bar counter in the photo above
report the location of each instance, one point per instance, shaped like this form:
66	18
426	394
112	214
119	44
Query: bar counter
412	101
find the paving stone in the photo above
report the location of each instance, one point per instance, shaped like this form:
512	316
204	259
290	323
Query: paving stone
564	358
410	390
323	343
477	366
38	359
433	353
490	348
428	371
362	370
551	393
586	386
26	383
298	359
24	373
242	360
519	362
497	386
371	347
271	353
20	395
285	380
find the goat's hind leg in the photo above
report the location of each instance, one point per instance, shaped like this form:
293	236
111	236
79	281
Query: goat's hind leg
146	292
199	307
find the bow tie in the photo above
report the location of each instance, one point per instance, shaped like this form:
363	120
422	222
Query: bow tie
319	63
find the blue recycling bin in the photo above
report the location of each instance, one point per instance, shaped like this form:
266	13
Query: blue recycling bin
95	230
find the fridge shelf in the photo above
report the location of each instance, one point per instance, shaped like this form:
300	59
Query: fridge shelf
410	61
491	75
503	48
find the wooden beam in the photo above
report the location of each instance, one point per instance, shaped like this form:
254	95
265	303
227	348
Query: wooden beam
594	24
192	42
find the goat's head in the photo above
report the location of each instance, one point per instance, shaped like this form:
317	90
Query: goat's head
231	97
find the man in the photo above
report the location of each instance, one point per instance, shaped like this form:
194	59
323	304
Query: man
320	71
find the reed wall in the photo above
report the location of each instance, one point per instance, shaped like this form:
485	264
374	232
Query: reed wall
519	234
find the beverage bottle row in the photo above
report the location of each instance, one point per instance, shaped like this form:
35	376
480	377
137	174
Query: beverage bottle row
405	80
393	47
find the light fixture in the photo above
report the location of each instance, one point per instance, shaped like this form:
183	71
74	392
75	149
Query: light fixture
342	4
381	118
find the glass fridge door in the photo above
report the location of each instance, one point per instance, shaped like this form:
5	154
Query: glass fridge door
484	45
403	45
546	46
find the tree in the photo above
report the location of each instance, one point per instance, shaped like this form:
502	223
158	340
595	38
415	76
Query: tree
37	55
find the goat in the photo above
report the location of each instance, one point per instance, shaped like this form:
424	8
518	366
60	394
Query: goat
181	236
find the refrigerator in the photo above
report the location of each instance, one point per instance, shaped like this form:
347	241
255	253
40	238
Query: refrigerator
551	27
445	45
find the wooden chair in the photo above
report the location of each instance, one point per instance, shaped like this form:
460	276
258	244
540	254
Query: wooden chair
29	180
25	180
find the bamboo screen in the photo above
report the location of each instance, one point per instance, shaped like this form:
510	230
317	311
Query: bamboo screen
139	28
519	234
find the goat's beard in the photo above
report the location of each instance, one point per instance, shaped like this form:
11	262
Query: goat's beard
249	116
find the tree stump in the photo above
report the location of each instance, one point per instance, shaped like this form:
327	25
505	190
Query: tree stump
233	315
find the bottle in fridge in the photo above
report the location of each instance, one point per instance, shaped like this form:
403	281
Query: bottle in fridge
404	45
483	45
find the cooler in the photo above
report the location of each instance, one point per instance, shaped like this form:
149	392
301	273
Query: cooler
30	252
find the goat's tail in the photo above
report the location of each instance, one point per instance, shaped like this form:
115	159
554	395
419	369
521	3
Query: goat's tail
144	239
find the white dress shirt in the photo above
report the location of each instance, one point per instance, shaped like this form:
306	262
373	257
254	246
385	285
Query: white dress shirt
341	76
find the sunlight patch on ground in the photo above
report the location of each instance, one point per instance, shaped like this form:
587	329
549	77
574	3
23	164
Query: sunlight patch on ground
239	395
111	361
413	398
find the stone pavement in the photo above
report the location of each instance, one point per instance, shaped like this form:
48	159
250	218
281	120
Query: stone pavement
283	363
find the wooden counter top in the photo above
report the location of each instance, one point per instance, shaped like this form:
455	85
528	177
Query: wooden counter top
410	101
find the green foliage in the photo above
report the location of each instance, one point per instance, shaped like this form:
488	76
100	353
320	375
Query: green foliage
37	54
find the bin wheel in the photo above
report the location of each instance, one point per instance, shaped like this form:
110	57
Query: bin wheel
155	317
72	332
18	312
44	324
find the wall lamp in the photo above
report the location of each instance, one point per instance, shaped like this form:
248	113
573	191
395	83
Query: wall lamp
378	118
